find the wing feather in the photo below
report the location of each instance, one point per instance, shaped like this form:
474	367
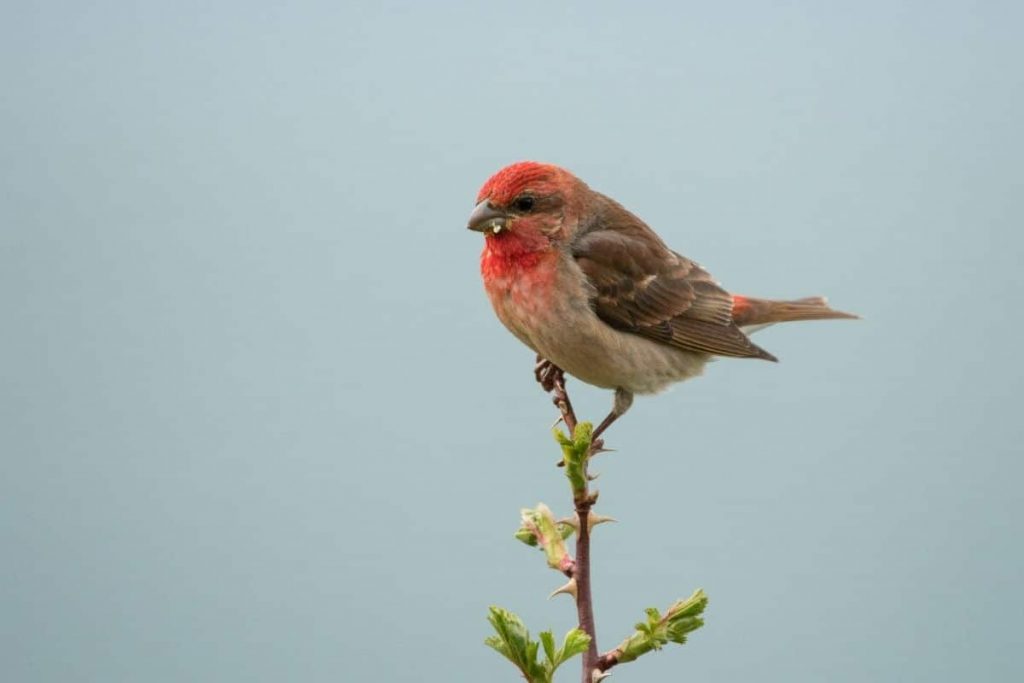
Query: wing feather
643	287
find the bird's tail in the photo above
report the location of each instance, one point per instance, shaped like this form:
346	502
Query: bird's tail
750	312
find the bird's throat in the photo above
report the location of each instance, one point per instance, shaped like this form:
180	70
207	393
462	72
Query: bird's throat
512	254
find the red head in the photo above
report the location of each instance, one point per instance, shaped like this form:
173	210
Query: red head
527	202
522	178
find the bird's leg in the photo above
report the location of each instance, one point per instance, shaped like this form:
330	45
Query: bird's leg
623	400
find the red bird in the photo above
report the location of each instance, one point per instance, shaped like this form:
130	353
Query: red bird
596	293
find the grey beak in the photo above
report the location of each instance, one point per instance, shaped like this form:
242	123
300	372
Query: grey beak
486	218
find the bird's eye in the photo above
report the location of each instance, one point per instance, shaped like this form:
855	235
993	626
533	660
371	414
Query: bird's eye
523	204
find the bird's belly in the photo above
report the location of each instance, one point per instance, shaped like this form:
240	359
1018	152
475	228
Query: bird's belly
597	354
558	323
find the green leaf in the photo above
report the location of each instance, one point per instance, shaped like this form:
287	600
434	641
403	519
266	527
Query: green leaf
526	536
574	455
566	529
499	645
547	639
677	631
690	607
540	525
576	642
513	642
681	618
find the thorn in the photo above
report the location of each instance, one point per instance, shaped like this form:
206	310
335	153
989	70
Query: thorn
593	520
555	423
573	521
569	587
592	477
597	675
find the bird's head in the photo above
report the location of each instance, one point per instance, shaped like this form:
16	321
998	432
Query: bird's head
528	202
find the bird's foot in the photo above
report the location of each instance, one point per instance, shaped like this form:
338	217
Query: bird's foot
548	374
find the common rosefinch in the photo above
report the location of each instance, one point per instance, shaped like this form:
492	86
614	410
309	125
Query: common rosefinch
594	291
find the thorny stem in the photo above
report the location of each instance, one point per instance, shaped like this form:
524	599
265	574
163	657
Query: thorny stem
584	601
593	663
584	500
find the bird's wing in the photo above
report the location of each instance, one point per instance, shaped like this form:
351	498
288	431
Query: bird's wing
643	287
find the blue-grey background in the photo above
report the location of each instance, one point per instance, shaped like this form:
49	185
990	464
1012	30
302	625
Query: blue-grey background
260	424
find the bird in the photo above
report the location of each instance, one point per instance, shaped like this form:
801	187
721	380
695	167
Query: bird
597	294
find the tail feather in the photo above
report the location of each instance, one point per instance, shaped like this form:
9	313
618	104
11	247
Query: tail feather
747	311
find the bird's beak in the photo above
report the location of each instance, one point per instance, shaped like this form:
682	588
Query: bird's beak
485	218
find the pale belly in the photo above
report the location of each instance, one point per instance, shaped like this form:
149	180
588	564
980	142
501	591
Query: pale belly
553	317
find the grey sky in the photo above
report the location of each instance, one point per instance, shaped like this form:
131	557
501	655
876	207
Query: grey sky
260	424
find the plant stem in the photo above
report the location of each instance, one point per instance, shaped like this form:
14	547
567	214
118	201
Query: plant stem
583	502
584	601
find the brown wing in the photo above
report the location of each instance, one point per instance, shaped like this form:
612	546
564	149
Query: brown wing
643	287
